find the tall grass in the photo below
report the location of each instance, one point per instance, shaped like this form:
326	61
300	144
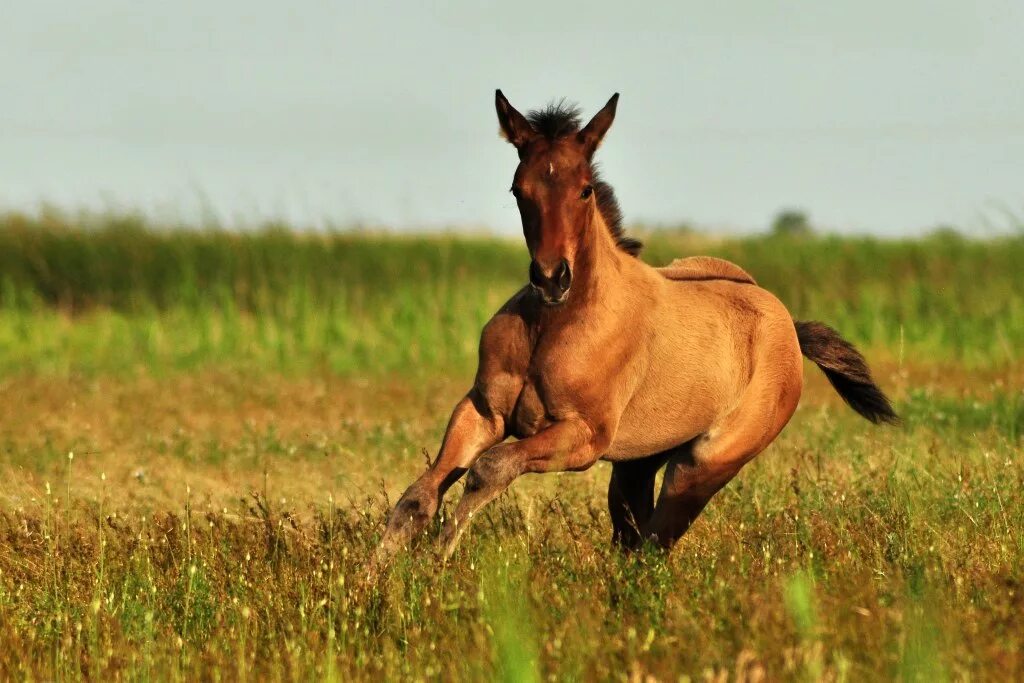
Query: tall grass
108	294
901	560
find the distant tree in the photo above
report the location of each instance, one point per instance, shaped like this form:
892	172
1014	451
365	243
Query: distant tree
792	222
946	232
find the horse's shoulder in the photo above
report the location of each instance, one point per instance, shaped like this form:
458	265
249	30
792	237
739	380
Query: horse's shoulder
509	332
519	312
505	346
702	268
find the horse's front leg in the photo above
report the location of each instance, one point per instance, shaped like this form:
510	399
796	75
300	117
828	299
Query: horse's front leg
472	429
566	445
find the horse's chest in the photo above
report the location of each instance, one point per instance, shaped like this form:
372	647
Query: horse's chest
551	388
558	381
530	414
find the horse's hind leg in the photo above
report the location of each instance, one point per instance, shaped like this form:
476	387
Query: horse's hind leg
631	498
697	471
685	490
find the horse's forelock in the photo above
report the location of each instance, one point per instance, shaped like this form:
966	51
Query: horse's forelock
556	120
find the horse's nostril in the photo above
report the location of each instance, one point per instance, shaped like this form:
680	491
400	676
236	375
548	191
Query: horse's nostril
536	277
564	276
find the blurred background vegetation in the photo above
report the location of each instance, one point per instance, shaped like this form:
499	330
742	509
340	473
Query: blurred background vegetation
113	293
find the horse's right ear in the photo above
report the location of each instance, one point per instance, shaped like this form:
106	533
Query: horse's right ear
514	126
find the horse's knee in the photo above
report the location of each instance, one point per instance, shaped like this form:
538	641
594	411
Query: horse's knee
493	468
723	454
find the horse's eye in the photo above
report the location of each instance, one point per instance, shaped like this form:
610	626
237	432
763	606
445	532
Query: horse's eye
516	192
587	191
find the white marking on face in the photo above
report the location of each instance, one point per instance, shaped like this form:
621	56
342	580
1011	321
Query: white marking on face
551	168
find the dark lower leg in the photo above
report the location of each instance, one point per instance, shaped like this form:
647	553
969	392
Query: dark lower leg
631	499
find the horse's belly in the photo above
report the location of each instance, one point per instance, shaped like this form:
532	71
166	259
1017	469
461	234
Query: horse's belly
678	401
646	432
694	371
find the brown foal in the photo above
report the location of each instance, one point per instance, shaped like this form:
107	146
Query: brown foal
692	367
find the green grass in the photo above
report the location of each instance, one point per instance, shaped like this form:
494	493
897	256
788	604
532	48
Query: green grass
113	295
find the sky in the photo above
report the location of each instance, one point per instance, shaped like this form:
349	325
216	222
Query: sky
882	117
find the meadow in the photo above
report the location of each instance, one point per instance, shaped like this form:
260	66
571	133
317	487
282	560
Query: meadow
202	430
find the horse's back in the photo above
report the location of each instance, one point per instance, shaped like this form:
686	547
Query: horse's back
704	268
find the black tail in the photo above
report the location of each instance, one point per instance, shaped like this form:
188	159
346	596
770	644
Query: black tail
846	369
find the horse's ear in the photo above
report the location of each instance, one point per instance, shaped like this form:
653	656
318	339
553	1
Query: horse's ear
592	134
514	126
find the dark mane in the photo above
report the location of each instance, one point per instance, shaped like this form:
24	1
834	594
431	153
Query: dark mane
608	205
560	119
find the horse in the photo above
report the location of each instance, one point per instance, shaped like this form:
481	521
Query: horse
691	367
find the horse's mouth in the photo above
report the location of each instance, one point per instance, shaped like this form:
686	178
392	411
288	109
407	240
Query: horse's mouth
548	301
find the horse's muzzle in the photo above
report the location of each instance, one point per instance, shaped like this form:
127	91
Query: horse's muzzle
553	285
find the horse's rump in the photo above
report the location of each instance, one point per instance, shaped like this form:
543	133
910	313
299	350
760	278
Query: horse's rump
705	268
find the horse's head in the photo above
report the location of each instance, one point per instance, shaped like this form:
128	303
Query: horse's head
554	186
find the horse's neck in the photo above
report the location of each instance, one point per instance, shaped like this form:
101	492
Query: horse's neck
599	259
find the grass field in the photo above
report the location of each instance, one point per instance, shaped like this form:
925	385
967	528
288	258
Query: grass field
201	431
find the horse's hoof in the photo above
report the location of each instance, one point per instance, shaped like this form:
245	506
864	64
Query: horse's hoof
448	540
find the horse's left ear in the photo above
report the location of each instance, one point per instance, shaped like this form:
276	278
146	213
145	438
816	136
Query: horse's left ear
514	125
592	134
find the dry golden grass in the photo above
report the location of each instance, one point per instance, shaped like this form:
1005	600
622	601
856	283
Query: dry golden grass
217	525
223	433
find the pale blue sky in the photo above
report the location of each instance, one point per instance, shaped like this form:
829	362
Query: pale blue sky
888	117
